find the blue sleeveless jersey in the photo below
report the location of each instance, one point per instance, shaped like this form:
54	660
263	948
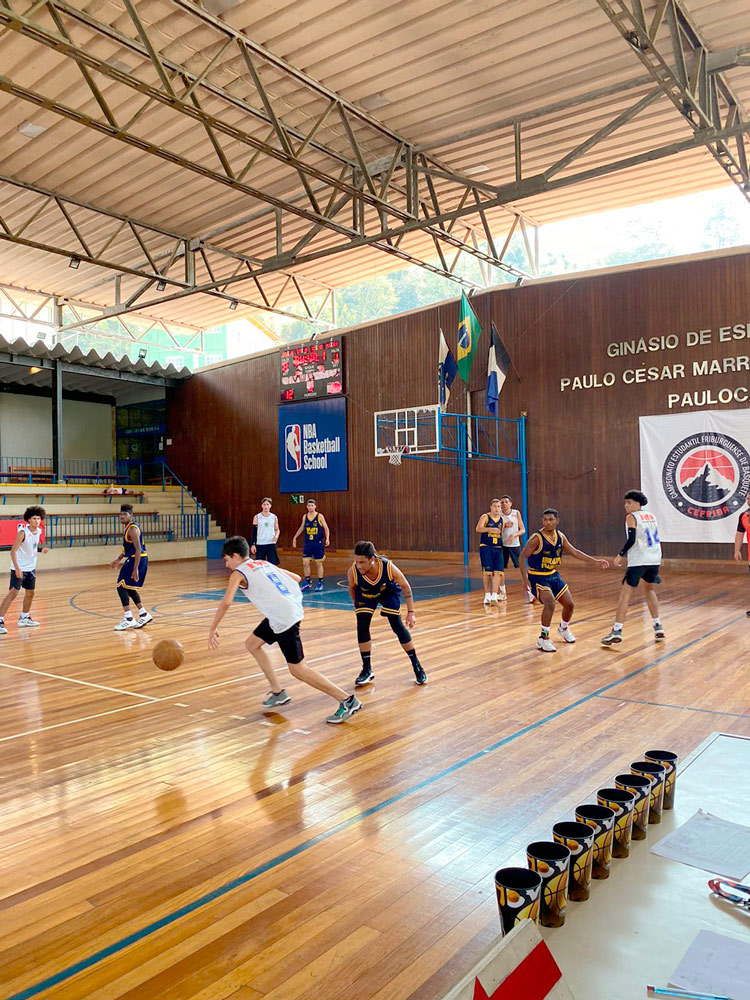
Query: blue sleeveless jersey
485	539
313	530
547	560
384	588
128	547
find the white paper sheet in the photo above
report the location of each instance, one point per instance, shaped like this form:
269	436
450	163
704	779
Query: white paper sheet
717	965
708	842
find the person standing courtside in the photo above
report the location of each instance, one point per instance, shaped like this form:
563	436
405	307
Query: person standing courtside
743	535
642	550
544	552
265	534
490	530
374	580
513	531
23	556
132	575
316	538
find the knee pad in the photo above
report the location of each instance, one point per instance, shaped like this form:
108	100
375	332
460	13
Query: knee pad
400	630
363	627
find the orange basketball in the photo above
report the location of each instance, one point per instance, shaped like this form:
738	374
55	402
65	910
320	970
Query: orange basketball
168	654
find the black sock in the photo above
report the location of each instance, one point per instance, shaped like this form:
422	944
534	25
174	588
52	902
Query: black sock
412	654
366	661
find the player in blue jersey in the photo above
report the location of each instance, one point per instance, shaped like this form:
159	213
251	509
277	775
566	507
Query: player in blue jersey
543	552
374	580
132	575
490	530
317	538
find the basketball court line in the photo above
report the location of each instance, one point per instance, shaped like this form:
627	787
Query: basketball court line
70	722
684	708
117	946
74	680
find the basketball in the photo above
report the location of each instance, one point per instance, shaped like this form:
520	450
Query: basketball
168	654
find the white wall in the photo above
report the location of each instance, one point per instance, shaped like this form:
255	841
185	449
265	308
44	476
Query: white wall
26	428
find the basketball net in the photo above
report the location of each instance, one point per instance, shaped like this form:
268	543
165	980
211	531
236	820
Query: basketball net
394	458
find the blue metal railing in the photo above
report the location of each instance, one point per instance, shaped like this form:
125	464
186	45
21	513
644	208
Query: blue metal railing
67	530
26	469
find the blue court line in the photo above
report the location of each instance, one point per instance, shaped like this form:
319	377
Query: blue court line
222	890
684	708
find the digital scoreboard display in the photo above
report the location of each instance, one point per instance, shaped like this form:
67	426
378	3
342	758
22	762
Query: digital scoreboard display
312	370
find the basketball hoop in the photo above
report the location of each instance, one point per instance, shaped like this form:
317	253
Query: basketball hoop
395	453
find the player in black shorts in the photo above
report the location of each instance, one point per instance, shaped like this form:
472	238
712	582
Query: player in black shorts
316	539
544	551
490	530
374	580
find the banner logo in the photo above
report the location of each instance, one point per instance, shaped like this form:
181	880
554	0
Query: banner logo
293	448
706	476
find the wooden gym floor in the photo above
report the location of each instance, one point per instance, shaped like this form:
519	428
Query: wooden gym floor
163	838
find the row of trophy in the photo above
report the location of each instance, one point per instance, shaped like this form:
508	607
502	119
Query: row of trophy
562	868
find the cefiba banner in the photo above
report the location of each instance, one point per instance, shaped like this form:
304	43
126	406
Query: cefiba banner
312	447
695	471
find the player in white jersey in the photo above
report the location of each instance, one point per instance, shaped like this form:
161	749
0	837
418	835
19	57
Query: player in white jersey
513	531
23	556
643	553
276	594
265	534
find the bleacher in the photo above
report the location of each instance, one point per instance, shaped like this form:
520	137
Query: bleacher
82	522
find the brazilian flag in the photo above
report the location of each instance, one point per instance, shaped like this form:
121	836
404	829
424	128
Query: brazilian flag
469	332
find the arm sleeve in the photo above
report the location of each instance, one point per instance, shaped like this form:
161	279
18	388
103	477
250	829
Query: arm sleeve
630	542
254	537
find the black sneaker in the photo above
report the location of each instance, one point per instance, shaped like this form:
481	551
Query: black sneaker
420	677
614	636
366	677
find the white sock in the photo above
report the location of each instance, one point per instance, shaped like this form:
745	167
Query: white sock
564	625
487	594
143	613
502	589
25	614
617	626
657	621
129	615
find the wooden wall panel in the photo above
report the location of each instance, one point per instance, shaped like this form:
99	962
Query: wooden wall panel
583	446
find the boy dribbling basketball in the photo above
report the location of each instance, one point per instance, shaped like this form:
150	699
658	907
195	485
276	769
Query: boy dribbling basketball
276	594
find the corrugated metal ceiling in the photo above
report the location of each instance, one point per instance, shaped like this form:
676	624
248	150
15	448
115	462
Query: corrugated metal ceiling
440	71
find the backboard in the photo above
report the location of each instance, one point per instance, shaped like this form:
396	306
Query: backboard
416	428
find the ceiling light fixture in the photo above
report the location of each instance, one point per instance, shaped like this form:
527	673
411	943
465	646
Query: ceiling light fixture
373	101
75	263
161	285
480	168
142	353
31	130
233	304
33	370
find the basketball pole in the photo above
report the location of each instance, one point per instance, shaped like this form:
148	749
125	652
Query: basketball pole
463	461
524	472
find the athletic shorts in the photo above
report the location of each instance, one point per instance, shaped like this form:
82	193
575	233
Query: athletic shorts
390	605
552	581
634	575
511	554
27	581
491	558
314	550
289	642
267	552
125	579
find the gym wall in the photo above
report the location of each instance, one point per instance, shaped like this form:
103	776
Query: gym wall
583	446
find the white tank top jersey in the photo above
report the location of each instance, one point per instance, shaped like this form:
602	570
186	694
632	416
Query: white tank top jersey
266	529
28	552
511	524
647	549
273	593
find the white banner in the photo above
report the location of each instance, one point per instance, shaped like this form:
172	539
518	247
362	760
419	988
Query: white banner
695	471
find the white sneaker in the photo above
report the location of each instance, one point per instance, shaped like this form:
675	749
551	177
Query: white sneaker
487	599
566	634
546	645
502	596
27	623
142	620
529	596
3	630
125	624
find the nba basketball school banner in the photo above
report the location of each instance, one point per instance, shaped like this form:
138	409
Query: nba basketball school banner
312	447
695	471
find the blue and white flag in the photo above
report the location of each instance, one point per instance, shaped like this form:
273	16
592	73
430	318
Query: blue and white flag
447	371
498	364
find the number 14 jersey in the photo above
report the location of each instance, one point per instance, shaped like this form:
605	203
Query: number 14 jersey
647	549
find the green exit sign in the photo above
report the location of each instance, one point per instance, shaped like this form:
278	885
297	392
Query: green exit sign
298	497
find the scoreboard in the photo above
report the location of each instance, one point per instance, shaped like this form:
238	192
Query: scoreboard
312	370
